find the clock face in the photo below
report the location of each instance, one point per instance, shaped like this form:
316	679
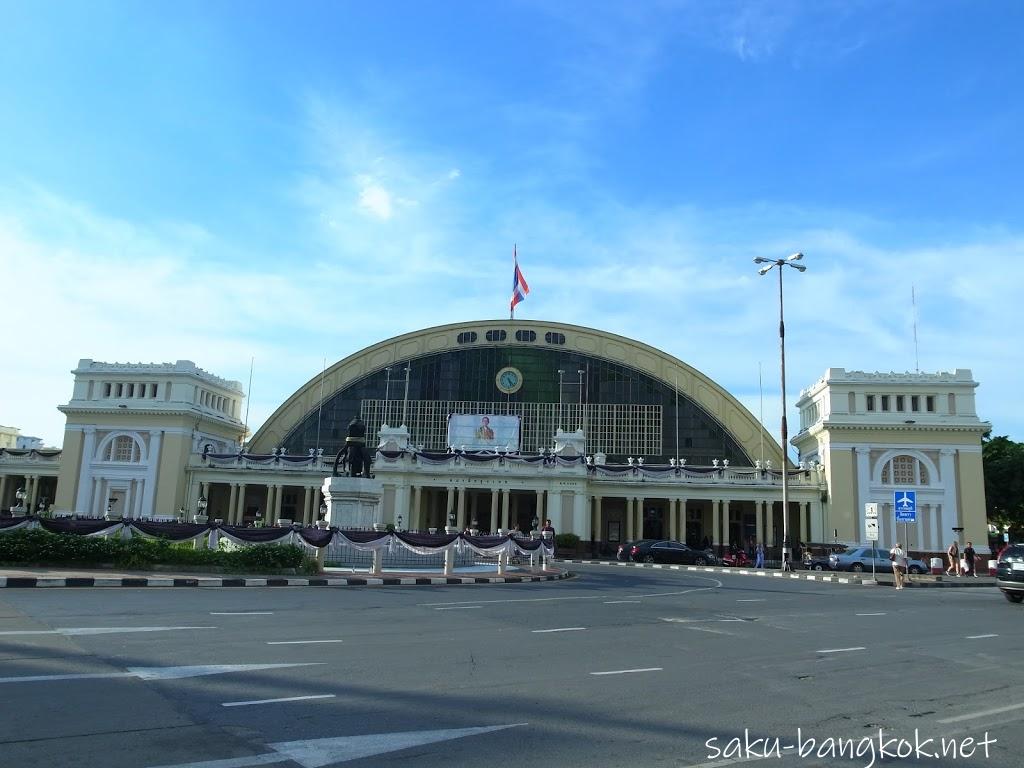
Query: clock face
509	380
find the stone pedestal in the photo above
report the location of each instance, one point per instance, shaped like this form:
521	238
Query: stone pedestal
353	502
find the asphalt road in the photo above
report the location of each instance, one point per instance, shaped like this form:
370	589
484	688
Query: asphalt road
616	667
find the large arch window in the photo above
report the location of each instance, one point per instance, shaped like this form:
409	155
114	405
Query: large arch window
123	448
905	470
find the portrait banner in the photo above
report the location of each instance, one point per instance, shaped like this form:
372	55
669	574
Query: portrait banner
483	432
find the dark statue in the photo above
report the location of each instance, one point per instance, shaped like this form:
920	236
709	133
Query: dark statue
353	454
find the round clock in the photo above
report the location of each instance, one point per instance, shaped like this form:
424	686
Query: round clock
509	380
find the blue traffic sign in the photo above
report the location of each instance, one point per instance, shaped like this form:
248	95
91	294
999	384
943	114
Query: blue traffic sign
905	504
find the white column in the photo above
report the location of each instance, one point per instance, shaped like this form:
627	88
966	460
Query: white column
726	527
85	489
495	521
640	517
402	495
506	497
240	505
33	493
307	495
99	502
460	509
579	516
416	514
229	518
152	465
540	509
630	522
554	511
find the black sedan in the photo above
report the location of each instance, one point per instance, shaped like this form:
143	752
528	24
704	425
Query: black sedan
1010	573
664	551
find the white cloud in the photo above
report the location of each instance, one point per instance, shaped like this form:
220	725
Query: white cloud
374	199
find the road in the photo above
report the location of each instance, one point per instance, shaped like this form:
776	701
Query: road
615	667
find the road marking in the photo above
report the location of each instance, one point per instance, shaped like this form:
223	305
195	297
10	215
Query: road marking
627	671
842	650
317	753
984	713
870	614
695	628
458	607
979	637
576	597
560	629
300	642
75	631
751	600
616	602
241	613
160	673
276	701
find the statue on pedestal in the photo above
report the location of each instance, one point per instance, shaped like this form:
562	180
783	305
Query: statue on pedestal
354	454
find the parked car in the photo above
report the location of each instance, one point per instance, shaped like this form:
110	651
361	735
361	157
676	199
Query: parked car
860	558
665	551
1010	572
816	556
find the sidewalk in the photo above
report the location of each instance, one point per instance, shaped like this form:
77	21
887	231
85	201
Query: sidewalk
884	579
102	577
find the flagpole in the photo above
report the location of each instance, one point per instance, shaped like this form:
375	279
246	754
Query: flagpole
512	303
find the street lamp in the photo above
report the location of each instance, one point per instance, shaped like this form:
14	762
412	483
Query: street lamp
769	264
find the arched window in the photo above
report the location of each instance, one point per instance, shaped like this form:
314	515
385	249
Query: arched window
123	449
905	470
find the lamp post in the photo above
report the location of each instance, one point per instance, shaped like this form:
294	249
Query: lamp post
768	265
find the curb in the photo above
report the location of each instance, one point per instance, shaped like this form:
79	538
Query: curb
18	582
819	576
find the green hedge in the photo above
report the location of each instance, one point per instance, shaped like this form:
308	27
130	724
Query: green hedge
566	541
43	548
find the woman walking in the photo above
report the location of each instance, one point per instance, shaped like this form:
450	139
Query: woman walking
954	559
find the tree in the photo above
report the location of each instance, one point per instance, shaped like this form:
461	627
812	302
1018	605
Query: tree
1003	461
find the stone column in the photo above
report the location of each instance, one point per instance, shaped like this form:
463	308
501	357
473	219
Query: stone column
3	492
415	523
716	522
494	523
726	526
278	494
506	495
240	509
449	506
597	529
307	496
630	522
580	518
759	521
540	509
554	511
33	490
640	517
460	514
951	515
229	517
673	530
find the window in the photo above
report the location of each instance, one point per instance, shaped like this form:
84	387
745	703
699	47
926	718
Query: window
106	389
952	404
915	403
929	402
871	402
119	391
123	449
885	402
467	337
152	390
554	338
130	391
526	336
905	470
900	404
495	335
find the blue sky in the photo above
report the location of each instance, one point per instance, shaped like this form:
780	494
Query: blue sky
294	181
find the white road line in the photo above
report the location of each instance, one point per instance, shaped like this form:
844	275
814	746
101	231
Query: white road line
979	637
751	600
457	607
869	614
75	631
160	673
576	597
983	713
616	602
300	642
628	671
560	629
241	613
276	701
842	650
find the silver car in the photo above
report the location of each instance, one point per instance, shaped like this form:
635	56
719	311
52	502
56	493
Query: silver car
860	558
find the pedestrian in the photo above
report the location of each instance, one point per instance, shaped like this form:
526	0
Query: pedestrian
969	555
899	564
759	555
954	559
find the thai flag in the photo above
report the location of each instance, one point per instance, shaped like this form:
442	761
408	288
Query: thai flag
519	287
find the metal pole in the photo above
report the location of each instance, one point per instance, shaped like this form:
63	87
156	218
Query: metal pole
561	373
786	554
387	392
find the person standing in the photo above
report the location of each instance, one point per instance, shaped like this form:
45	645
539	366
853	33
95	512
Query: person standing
954	559
759	555
899	564
969	557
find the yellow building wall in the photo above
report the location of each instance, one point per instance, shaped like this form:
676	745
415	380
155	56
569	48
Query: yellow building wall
971	498
841	470
171	475
70	470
